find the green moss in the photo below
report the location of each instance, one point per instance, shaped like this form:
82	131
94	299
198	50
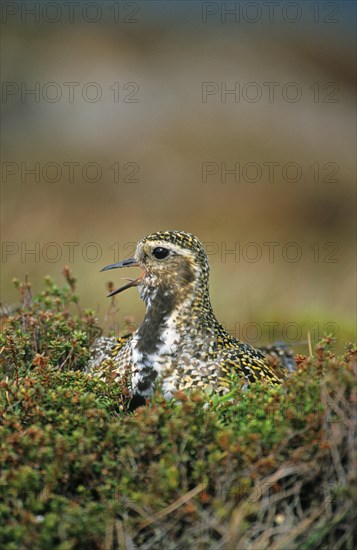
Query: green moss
257	467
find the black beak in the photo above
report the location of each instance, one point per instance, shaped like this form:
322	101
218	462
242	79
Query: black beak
130	262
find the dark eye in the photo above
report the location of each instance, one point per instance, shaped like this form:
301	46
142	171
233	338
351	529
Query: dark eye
160	253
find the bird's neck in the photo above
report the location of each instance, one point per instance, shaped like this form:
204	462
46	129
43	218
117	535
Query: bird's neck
168	309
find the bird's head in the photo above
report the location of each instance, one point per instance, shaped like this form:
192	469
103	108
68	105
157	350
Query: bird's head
172	262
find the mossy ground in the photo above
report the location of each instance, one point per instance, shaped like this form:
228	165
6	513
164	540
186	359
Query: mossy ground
266	467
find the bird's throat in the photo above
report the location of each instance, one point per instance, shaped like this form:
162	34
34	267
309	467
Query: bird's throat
159	307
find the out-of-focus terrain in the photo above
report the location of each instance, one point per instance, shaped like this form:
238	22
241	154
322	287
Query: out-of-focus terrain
150	153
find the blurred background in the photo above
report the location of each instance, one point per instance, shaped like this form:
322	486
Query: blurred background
231	120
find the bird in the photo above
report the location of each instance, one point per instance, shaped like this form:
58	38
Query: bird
180	344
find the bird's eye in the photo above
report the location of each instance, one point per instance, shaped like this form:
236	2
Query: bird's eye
160	253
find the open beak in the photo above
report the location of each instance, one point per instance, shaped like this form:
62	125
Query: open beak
130	262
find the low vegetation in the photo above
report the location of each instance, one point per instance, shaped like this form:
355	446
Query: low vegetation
265	467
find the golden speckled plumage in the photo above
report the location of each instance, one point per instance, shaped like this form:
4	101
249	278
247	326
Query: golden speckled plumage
180	343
